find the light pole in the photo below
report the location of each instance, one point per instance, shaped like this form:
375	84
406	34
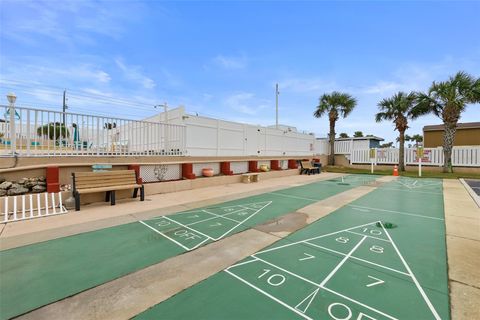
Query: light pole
13	140
276	105
165	125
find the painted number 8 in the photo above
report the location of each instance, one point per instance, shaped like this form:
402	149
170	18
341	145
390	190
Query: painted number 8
342	240
376	249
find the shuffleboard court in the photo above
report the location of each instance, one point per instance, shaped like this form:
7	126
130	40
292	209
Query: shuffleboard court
35	275
381	257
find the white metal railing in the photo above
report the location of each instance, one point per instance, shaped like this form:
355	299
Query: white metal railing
36	132
461	156
30	206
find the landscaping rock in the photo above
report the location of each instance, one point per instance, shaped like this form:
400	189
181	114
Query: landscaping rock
30	183
17	189
5	185
42	178
22	181
41	183
38	188
3	192
2	179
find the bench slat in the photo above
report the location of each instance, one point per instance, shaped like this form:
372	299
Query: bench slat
103	173
119	178
111	188
93	178
100	183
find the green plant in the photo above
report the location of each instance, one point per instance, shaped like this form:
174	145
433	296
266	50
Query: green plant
335	104
53	131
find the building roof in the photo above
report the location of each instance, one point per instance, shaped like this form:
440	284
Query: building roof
441	127
356	138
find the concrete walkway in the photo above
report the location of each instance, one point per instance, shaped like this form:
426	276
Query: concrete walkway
462	220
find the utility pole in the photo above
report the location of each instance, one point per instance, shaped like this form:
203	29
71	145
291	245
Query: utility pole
276	105
64	107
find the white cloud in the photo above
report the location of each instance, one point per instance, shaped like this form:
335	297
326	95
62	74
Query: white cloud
231	62
67	22
135	73
245	103
382	87
306	85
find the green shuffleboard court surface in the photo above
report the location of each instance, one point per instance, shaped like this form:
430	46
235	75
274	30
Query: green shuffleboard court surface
38	274
347	266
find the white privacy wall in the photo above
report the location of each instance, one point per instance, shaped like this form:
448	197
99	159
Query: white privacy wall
213	137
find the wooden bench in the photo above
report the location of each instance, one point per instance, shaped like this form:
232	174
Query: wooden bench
250	177
105	181
306	166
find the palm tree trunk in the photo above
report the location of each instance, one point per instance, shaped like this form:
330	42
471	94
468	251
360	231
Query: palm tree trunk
448	137
331	156
401	151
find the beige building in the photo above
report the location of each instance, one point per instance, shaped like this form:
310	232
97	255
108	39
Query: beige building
468	134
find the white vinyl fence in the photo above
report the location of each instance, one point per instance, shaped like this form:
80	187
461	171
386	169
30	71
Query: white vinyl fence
34	132
30	206
213	137
461	156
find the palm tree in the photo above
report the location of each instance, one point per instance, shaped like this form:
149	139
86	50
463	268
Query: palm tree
335	104
358	134
447	100
399	109
417	138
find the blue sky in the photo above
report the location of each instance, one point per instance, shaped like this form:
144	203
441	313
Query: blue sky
223	59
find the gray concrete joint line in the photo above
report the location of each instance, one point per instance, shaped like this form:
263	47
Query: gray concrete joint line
465	284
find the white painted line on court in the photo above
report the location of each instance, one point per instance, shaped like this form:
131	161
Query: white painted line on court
294	197
360	209
211	218
285	270
359	303
194	230
311	296
403	184
243	263
243	221
330	275
377	282
410	191
361	234
419	287
160	233
393	211
313	238
220	216
359	259
269	295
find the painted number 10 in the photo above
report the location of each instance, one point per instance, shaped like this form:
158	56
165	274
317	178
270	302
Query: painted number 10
273	280
372	231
